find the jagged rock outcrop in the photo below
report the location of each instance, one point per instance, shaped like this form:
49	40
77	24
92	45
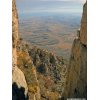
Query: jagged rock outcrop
48	63
51	71
76	81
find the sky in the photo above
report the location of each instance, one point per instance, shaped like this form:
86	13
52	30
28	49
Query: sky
49	6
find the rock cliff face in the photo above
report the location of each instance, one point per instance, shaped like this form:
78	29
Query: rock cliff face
19	85
76	81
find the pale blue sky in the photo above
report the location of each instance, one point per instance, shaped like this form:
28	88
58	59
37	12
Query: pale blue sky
55	6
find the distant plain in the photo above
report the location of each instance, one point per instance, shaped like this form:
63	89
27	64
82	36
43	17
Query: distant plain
52	32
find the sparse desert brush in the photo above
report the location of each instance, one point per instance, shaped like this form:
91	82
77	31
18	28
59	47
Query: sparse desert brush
33	88
48	82
23	59
33	70
53	95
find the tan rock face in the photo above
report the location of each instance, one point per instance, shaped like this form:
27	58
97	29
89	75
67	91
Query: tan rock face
19	79
19	85
76	80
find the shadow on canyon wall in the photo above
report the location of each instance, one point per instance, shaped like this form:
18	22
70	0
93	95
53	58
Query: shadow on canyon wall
18	93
